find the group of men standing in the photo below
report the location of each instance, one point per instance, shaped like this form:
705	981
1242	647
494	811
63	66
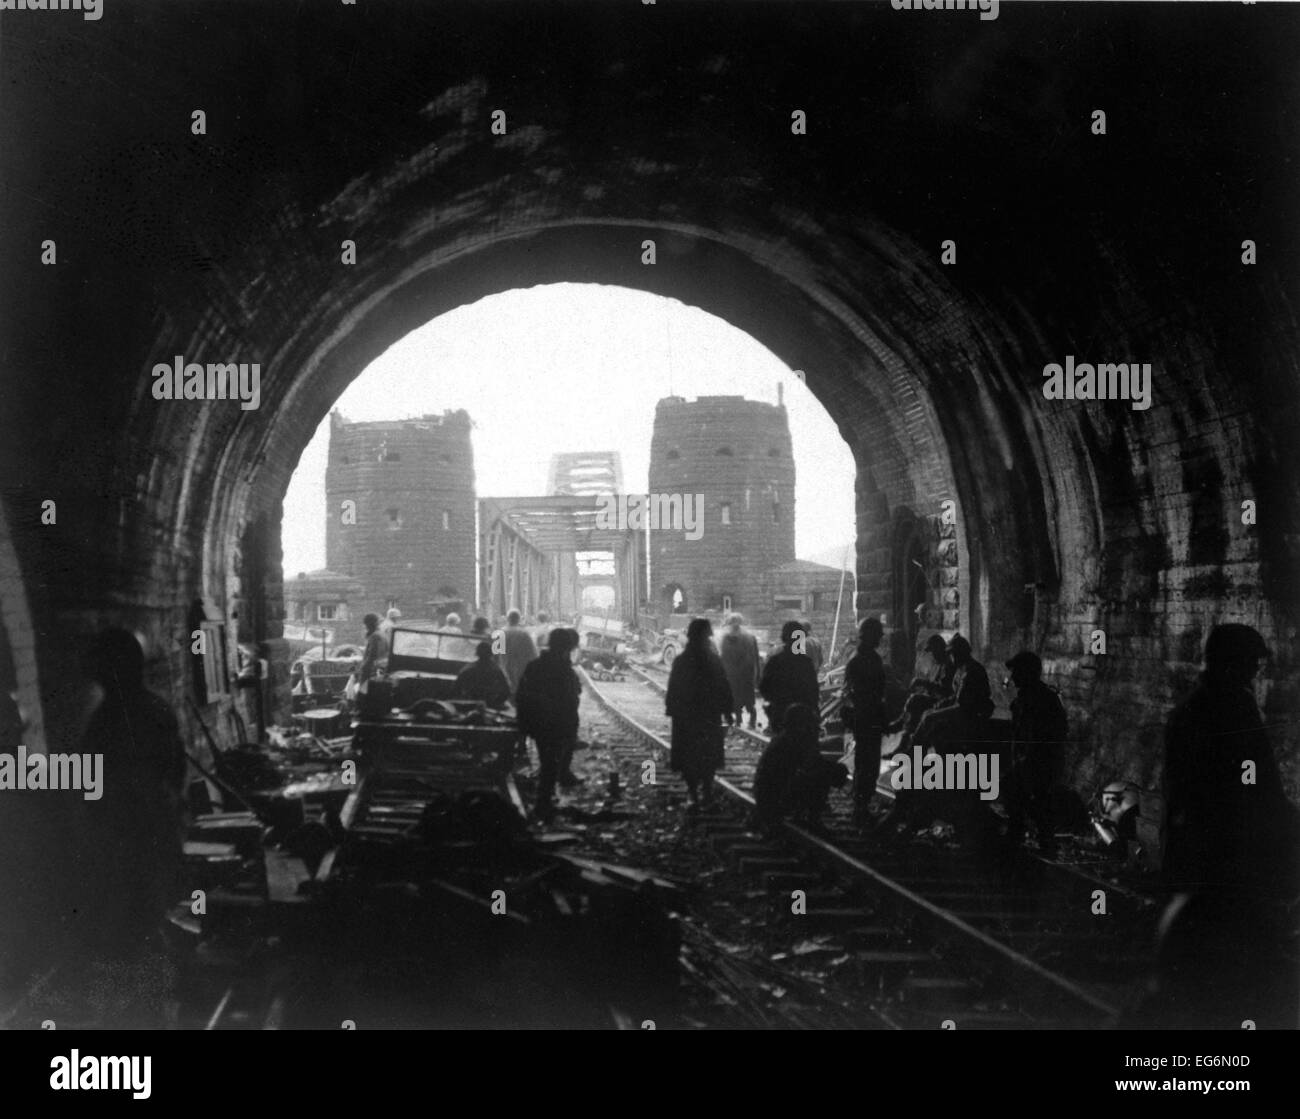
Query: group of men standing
781	679
522	644
1219	827
949	707
1231	836
546	701
543	687
546	692
110	865
1229	823
712	687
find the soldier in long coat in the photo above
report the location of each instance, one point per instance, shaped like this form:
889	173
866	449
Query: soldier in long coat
699	702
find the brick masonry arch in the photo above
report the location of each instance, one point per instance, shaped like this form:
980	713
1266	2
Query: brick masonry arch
886	419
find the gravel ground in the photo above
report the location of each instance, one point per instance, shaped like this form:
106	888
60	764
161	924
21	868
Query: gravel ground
746	961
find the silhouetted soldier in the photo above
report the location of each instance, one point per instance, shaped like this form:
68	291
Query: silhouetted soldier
789	677
543	630
1230	826
1038	729
739	651
962	718
931	686
792	777
547	701
468	645
935	681
864	696
1226	945
129	868
698	701
375	657
520	650
483	680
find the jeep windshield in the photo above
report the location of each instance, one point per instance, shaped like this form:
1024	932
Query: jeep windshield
425	650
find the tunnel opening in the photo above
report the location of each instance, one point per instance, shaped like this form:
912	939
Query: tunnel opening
517	430
876	389
910	430
881	411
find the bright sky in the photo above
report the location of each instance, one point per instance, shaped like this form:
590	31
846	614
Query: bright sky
576	367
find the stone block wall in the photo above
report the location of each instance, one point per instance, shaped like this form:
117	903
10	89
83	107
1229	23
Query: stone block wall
412	485
735	452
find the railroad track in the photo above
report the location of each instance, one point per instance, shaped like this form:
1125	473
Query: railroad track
960	940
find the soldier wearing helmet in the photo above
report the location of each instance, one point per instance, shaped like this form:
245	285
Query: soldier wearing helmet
1230	826
964	716
1038	729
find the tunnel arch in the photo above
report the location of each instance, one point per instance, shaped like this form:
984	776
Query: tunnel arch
902	436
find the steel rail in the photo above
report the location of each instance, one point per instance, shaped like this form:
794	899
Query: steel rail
862	870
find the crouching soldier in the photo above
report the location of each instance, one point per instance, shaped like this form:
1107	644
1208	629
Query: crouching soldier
1038	729
793	779
927	689
129	866
962	719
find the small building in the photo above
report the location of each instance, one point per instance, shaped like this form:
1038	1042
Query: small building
803	591
324	605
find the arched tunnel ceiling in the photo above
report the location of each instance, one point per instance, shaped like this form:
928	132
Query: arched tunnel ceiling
680	122
693	266
372	123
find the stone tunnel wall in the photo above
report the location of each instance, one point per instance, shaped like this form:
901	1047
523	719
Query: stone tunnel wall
826	247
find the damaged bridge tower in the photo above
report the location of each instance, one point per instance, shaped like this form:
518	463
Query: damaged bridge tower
408	535
737	453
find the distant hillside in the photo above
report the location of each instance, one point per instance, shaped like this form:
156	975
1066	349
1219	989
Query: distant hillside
833	557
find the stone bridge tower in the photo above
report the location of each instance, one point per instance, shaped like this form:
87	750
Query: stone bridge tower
738	454
412	482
